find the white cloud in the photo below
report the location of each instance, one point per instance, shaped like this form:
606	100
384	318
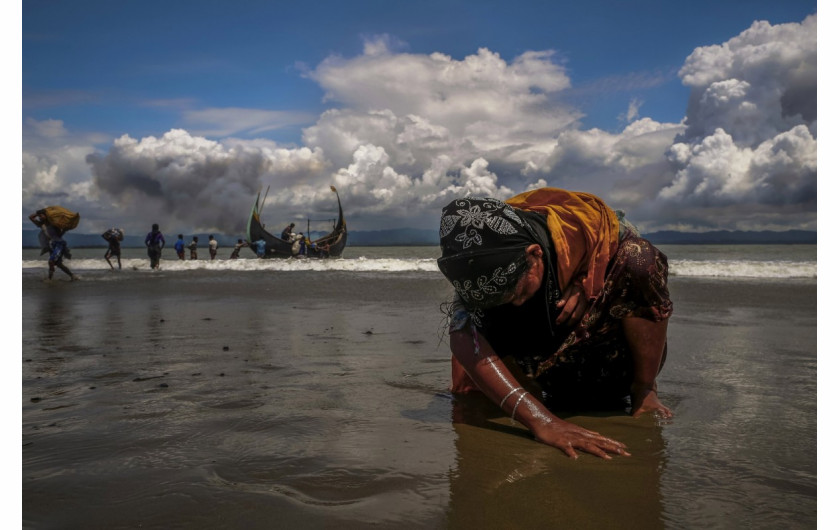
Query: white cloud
756	85
781	169
40	173
714	170
228	121
46	128
598	161
632	111
478	181
54	170
477	125
477	98
751	122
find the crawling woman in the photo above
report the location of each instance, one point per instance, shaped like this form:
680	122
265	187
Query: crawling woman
565	286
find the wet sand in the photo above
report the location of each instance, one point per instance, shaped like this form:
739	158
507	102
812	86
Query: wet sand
309	400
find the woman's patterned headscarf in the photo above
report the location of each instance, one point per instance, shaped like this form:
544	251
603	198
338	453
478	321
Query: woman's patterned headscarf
482	243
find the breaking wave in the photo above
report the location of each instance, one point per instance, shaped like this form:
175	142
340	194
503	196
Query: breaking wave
678	268
744	269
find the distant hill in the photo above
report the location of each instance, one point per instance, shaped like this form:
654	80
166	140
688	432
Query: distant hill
393	237
413	236
421	237
737	237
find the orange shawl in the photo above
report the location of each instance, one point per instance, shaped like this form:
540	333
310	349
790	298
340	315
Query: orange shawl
584	230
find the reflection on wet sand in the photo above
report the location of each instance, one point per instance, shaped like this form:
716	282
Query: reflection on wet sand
503	478
330	409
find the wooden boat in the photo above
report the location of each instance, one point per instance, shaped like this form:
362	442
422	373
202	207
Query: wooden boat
278	248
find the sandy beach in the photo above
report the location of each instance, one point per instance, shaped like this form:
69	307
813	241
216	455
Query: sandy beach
225	399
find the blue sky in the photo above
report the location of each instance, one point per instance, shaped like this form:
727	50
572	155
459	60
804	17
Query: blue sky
137	109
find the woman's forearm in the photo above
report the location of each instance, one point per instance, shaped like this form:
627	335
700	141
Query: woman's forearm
482	364
496	381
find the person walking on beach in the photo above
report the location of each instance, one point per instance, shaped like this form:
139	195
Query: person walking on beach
56	245
179	247
154	246
113	236
587	295
213	245
193	246
287	232
237	248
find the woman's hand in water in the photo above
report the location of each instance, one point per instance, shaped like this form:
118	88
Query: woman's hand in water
568	437
646	400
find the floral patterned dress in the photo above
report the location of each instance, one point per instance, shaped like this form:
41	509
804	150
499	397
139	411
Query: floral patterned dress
589	365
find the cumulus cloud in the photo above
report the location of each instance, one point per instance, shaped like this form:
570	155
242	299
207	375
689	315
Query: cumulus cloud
408	132
481	99
626	168
183	180
780	170
751	126
479	125
744	156
55	172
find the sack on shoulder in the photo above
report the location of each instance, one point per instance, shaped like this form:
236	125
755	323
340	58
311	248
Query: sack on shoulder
61	217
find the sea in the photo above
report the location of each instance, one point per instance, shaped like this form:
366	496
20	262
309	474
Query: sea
723	262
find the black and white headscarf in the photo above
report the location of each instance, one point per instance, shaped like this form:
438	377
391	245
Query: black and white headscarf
482	243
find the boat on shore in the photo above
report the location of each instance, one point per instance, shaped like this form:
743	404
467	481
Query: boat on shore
331	245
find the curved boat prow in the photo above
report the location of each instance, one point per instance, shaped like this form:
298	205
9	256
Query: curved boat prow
332	243
254	216
337	239
340	223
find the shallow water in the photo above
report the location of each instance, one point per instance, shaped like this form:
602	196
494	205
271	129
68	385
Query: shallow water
265	399
745	443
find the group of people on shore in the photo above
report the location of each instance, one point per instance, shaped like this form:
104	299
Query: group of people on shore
155	244
55	221
181	247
